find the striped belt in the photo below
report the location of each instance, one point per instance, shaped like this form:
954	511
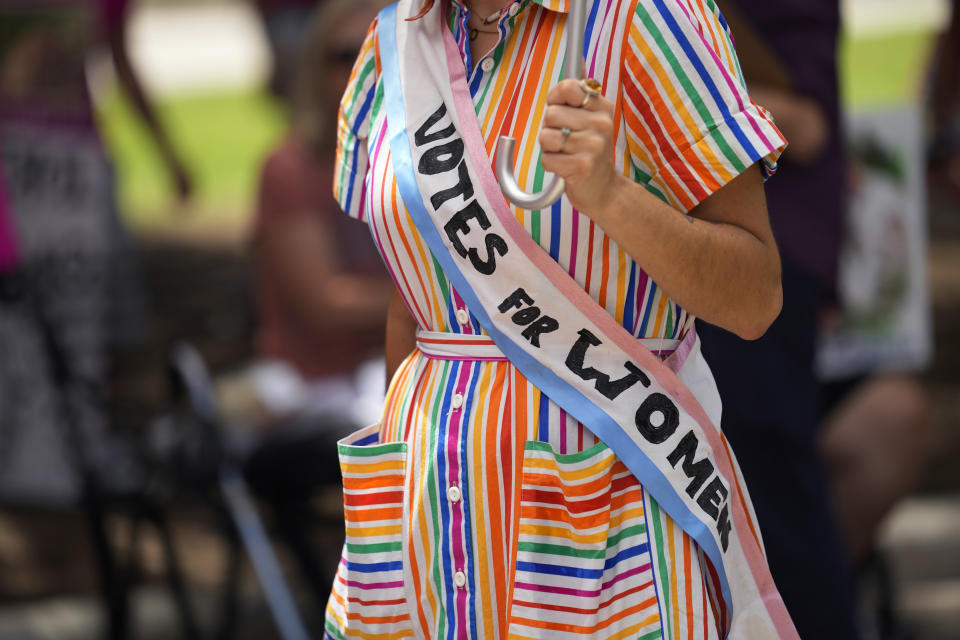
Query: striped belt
463	346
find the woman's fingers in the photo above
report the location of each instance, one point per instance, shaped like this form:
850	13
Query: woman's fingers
572	94
576	140
553	141
566	165
558	116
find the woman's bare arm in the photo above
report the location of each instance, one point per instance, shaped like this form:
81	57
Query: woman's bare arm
297	244
299	253
720	262
126	74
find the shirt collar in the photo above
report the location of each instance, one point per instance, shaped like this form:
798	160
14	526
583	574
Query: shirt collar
560	6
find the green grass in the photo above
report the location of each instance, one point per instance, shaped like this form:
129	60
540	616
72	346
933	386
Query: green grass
885	70
224	137
222	140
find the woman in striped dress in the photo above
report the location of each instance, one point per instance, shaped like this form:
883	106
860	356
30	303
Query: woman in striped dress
478	508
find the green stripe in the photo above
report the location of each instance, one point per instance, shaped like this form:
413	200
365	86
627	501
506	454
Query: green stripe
490	80
332	629
349	139
365	71
663	572
637	530
650	636
441	281
431	484
560	550
373	450
382	547
696	99
565	458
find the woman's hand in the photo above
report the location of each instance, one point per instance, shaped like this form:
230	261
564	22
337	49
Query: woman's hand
585	158
719	262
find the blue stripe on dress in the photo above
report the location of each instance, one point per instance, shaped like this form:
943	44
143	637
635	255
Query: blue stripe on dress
707	79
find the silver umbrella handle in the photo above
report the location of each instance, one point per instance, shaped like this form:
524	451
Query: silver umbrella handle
553	185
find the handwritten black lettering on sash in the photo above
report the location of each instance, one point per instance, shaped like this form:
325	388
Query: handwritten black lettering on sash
531	317
464	188
712	496
698	471
441	158
715	492
442	153
724	526
515	300
458	224
543	324
659	430
422	135
608	388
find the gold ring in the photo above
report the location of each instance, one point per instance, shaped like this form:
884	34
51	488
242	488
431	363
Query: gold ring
564	134
591	87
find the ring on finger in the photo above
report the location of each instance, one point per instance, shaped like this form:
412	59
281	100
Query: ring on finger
564	134
591	87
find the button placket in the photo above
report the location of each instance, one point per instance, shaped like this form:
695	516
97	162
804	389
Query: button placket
453	494
460	579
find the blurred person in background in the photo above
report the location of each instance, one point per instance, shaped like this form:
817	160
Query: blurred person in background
944	151
286	23
322	296
788	51
855	444
321	286
77	293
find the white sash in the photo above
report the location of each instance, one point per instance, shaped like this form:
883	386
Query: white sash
551	329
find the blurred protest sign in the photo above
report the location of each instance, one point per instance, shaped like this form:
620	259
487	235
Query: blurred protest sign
882	321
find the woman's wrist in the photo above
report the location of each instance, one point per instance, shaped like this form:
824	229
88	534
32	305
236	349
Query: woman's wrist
622	195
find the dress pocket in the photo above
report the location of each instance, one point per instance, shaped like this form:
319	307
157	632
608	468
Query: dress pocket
368	596
583	559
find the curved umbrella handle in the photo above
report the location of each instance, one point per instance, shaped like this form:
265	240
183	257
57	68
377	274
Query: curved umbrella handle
553	185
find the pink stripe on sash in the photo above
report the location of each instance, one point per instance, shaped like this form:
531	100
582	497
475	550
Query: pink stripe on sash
474	142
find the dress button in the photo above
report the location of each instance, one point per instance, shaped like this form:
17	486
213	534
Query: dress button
456	401
459	579
453	493
463	316
487	65
514	9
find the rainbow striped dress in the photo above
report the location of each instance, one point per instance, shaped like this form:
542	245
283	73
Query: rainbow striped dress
478	508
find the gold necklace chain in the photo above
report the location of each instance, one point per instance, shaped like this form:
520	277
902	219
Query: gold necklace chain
476	31
490	19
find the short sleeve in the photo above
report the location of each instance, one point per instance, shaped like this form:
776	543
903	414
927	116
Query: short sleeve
691	127
353	128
